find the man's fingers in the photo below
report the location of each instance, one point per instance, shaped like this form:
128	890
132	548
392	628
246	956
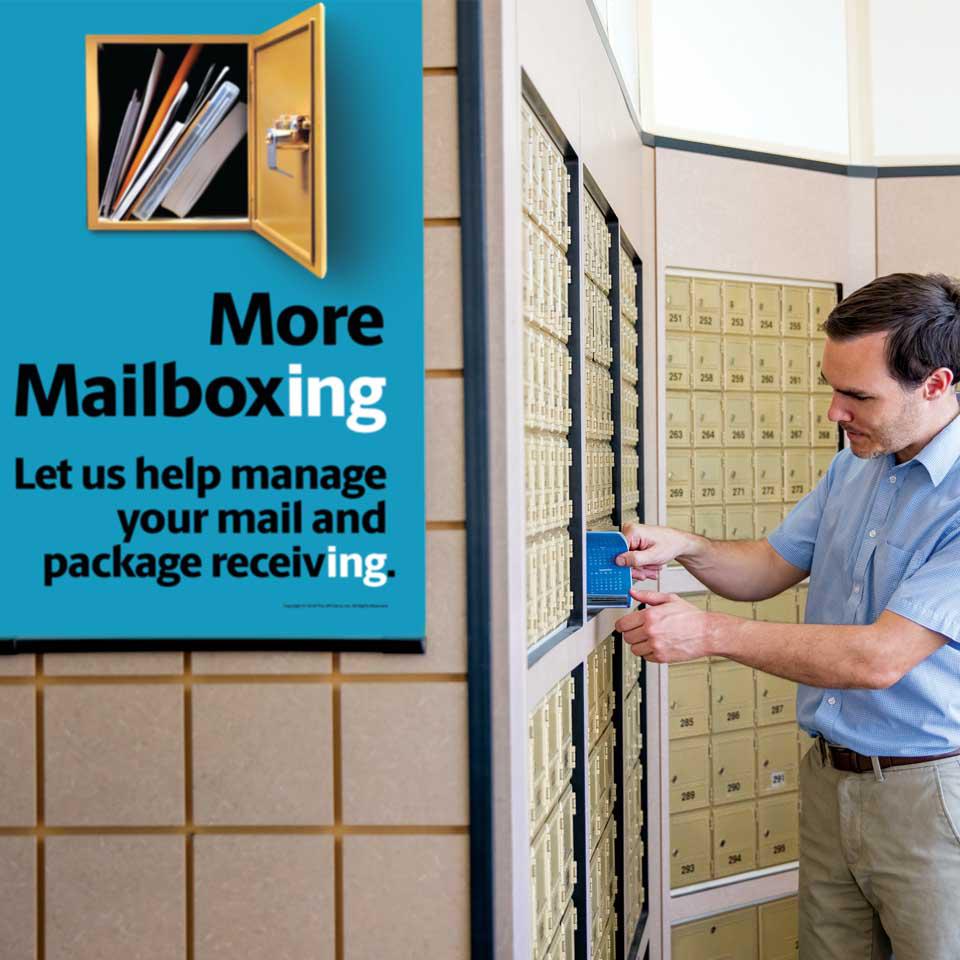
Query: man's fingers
629	621
646	573
635	558
635	534
651	597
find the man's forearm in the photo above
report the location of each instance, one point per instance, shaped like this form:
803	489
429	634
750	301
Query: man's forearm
837	657
739	569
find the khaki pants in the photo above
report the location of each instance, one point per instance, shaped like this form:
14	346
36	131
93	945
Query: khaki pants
880	862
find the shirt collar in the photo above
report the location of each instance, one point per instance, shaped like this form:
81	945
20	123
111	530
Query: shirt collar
941	453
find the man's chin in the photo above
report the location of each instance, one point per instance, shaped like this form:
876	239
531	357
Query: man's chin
862	447
865	450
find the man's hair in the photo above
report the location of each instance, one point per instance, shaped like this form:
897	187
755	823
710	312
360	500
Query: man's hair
920	315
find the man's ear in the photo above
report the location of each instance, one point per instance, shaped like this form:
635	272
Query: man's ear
938	383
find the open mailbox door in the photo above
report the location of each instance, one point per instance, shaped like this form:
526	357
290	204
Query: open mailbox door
287	139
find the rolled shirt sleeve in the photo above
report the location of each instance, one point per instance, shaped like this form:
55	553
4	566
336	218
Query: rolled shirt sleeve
929	595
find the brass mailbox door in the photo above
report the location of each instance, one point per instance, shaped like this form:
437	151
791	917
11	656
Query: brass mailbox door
678	362
689	774
679	478
732	757
776	700
779	930
678	303
707	420
690	848
708	305
689	700
738	523
732	696
776	760
708	522
737	421
736	307
288	183
778	827
734	839
679	420
707	477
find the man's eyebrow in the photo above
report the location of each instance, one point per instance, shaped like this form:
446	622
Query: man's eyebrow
847	391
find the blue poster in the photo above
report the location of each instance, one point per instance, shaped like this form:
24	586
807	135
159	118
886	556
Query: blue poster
213	383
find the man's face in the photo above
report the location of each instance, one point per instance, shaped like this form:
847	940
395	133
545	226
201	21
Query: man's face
876	412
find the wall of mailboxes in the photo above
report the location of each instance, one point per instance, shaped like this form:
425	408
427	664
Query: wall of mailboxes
581	431
549	359
747	436
735	751
608	808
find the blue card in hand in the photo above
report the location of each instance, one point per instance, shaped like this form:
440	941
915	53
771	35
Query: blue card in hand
607	584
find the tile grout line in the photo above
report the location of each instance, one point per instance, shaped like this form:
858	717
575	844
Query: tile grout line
214	679
41	943
224	830
189	920
336	720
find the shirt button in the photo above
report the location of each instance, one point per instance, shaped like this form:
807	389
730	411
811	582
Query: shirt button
831	700
893	479
873	533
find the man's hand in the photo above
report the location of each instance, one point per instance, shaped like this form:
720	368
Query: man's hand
651	548
669	630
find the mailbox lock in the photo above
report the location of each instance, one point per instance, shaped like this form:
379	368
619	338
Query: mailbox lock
289	131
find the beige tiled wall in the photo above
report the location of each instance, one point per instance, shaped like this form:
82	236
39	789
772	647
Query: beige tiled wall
405	897
916	224
254	806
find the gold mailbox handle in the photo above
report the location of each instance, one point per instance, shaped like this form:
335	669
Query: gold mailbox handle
289	131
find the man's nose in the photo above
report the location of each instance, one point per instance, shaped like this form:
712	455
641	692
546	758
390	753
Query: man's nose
837	412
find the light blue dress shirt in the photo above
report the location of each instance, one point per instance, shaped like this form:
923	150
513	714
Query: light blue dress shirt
877	535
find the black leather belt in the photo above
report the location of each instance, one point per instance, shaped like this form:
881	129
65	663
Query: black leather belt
849	761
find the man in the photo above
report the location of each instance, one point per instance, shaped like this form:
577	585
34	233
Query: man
878	660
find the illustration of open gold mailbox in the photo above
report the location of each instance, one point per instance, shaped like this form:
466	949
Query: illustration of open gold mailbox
211	132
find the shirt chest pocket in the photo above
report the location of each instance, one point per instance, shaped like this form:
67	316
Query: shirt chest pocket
889	567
